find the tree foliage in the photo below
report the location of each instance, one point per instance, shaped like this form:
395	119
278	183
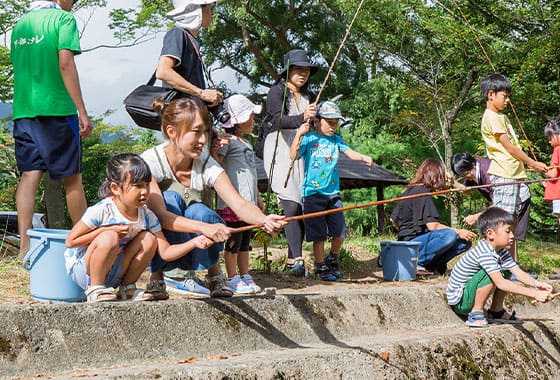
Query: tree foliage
409	72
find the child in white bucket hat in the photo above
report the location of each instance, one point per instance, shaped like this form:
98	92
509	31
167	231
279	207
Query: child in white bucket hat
238	160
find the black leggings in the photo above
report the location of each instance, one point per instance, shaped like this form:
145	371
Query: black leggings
294	230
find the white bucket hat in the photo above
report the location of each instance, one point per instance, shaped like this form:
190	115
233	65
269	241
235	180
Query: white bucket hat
187	14
240	109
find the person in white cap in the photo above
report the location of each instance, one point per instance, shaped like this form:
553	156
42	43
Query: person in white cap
238	160
180	64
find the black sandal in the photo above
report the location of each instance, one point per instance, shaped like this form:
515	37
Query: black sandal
498	316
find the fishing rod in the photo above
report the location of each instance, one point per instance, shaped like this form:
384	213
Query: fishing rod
325	81
473	31
384	201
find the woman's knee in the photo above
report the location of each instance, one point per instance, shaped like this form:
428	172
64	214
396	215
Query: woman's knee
447	237
174	202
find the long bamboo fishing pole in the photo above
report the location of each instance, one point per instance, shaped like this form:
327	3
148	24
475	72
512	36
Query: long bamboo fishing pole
384	201
473	31
325	81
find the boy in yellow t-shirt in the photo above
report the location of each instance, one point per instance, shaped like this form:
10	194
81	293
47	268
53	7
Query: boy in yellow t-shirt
502	147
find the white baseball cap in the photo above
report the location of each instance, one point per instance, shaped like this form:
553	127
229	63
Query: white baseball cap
240	109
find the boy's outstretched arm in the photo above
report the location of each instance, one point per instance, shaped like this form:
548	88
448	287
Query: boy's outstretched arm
294	148
520	155
537	290
355	156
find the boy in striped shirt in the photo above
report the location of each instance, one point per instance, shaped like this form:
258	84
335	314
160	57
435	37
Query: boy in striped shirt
480	273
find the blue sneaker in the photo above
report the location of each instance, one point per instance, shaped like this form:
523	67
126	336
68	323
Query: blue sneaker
248	279
324	273
238	286
189	286
332	262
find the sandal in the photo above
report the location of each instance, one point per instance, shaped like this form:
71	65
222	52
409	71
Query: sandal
138	295
99	293
555	276
498	316
157	289
218	286
476	319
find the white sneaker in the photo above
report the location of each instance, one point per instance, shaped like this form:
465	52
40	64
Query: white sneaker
238	286
189	286
248	279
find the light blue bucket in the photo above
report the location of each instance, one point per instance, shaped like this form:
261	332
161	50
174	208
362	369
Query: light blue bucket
399	259
48	280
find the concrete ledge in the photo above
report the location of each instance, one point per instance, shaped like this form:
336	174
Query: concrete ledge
529	351
39	339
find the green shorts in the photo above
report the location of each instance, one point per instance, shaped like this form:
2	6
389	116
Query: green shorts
476	282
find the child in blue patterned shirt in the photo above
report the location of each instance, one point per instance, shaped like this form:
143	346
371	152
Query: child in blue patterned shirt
321	186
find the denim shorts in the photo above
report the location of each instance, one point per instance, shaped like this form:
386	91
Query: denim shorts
79	272
48	143
319	228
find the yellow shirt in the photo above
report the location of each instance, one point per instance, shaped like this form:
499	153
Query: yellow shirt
503	163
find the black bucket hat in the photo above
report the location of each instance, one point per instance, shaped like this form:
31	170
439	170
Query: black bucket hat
297	57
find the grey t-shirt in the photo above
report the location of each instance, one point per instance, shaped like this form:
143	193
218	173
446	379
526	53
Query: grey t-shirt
239	164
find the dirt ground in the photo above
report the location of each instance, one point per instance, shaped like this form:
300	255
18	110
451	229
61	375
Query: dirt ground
364	273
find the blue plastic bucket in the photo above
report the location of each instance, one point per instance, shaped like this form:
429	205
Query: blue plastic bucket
48	280
399	259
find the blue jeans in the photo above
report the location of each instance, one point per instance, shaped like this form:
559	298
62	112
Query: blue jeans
438	247
197	259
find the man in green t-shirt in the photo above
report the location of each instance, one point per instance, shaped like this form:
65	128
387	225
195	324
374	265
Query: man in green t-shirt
48	110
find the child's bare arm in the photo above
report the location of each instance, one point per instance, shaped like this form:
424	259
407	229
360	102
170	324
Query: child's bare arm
172	252
520	155
294	148
355	156
82	235
525	278
508	286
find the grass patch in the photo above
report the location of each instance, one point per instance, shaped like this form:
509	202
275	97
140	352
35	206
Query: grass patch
14	279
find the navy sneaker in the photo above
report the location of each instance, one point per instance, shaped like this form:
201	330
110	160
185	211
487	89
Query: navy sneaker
332	262
324	272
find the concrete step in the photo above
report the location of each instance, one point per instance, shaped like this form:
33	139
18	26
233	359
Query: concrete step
291	330
497	352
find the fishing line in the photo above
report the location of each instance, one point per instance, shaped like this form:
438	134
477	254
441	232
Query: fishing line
473	31
325	81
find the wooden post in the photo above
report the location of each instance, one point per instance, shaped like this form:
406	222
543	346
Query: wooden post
54	203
